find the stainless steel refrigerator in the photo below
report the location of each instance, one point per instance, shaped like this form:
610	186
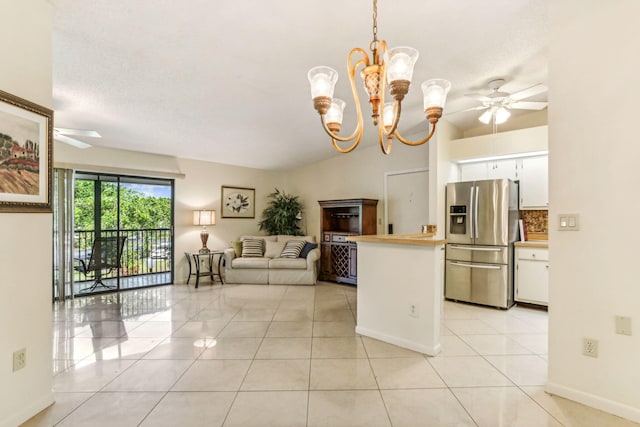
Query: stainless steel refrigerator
482	224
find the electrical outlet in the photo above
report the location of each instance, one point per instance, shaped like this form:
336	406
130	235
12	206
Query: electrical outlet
623	325
19	359
413	310
590	347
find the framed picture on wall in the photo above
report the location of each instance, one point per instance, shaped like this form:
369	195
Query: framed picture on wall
238	202
26	145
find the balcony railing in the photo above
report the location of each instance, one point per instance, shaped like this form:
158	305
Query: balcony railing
146	251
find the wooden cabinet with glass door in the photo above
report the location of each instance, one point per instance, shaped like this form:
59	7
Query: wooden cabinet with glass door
339	220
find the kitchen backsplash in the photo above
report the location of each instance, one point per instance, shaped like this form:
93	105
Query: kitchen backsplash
536	221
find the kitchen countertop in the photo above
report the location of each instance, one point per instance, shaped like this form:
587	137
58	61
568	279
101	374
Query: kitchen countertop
419	239
532	244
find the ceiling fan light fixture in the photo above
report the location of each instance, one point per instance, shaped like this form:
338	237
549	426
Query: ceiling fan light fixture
502	114
386	68
486	117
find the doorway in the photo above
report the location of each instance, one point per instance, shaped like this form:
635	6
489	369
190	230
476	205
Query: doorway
406	195
136	210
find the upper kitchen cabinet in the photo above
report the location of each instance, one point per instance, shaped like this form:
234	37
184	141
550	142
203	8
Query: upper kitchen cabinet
534	182
519	155
492	169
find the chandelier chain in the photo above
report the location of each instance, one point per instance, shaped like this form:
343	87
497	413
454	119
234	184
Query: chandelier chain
374	42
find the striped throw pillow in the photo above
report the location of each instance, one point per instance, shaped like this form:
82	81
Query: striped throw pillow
252	247
292	249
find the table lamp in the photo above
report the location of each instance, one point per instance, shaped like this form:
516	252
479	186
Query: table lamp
204	218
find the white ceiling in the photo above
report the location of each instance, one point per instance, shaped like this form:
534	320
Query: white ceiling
225	81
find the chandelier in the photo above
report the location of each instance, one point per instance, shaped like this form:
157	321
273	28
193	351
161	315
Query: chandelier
387	68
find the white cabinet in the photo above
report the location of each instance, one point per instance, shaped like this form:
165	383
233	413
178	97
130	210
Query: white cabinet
473	171
532	275
533	173
503	169
492	169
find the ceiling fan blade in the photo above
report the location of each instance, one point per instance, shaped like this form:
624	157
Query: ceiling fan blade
478	97
526	93
78	132
71	141
528	105
479	107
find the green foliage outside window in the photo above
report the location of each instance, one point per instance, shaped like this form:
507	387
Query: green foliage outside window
137	209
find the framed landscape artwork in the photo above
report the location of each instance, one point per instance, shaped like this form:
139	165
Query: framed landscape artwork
238	202
26	145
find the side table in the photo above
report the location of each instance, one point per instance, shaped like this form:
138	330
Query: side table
196	258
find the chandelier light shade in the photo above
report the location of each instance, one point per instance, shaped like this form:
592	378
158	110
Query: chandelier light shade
204	218
386	69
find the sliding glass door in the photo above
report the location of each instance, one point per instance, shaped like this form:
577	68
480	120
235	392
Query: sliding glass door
124	217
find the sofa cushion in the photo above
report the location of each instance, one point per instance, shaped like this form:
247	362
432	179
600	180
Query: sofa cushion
250	262
308	247
294	263
292	249
273	249
252	248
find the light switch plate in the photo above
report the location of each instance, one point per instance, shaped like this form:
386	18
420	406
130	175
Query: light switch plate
623	325
569	222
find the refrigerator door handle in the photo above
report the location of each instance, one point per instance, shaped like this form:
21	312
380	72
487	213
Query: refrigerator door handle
467	248
475	215
471	212
483	266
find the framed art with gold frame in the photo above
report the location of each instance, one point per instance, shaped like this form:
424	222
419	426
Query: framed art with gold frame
26	155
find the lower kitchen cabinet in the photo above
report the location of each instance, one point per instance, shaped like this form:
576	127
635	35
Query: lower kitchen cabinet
532	275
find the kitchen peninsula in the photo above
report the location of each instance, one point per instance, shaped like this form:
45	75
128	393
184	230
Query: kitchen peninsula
400	289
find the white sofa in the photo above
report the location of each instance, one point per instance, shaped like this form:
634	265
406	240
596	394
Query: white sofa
270	268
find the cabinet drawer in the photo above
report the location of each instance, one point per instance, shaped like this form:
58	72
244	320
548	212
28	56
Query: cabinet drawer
532	254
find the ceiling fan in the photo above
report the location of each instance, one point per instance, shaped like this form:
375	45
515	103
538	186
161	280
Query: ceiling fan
499	103
60	134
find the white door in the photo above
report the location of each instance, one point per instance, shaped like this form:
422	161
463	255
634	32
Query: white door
407	200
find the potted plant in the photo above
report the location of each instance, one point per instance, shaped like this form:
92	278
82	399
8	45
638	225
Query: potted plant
282	215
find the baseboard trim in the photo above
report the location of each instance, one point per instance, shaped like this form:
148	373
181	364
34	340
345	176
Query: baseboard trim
411	345
28	411
598	402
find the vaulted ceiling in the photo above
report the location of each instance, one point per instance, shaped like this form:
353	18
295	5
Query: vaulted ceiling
226	81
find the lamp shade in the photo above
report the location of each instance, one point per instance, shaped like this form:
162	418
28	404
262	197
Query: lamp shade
388	113
322	80
400	62
204	217
435	92
486	116
334	115
502	114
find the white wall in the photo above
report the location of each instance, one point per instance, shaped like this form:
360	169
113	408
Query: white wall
594	152
503	143
359	174
201	189
197	186
443	171
25	247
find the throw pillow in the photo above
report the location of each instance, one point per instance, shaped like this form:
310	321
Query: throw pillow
292	249
237	247
273	249
308	246
252	247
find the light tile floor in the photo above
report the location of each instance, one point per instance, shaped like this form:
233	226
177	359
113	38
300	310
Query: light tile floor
252	355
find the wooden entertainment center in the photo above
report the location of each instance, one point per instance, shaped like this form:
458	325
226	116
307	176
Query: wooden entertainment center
339	220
